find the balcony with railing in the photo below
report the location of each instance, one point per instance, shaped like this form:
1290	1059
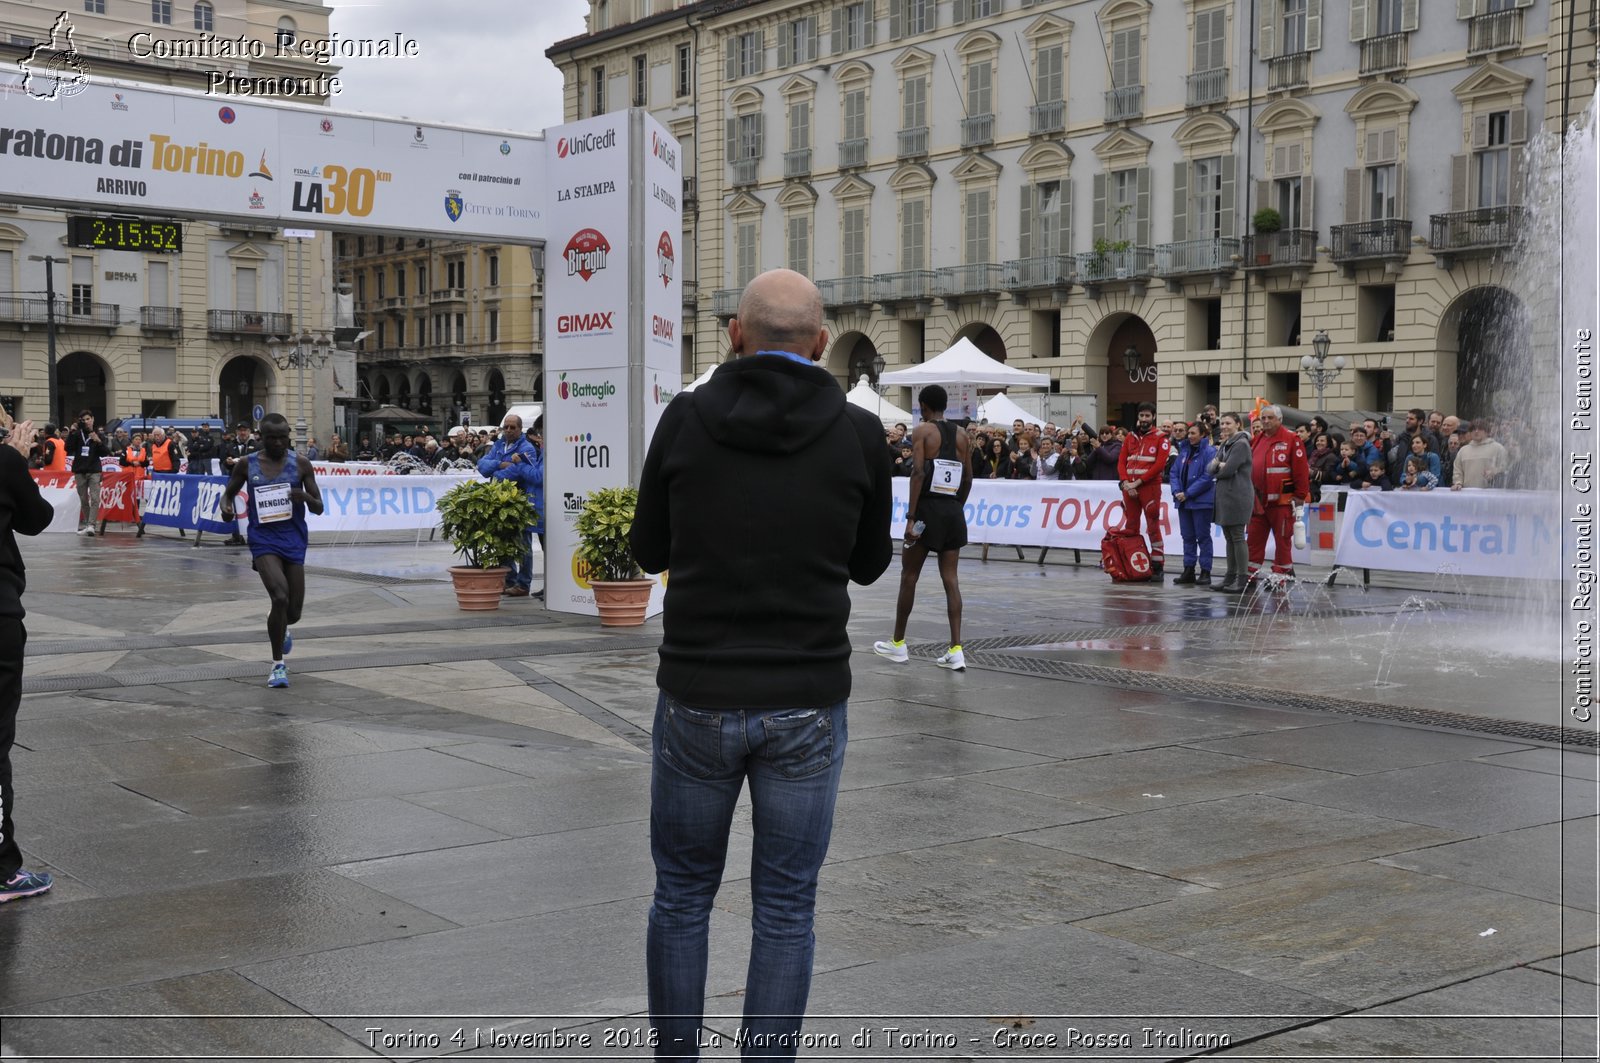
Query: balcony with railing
1039	273
1384	55
797	163
1387	239
1048	117
691	190
447	295
1115	264
745	172
725	302
1473	233
906	287
161	318
1494	31
1217	256
912	143
1207	87
691	293
1286	72
1286	249
1125	104
248	322
841	293
974	281
26	311
977	131
852	153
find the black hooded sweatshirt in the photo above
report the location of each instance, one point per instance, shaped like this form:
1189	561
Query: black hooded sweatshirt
22	509
765	494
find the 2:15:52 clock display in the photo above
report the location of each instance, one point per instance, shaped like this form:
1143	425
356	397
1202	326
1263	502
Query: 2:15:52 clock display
124	234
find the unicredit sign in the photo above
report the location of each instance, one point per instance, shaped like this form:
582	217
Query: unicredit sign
587	142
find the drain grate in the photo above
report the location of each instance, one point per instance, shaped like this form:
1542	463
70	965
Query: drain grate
1244	693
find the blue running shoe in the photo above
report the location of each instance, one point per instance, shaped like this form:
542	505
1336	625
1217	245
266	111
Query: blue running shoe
24	884
279	676
288	643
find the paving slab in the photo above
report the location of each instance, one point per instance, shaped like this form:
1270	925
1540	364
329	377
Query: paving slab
1361	748
1553	862
1463	796
77	948
1359	933
1583	965
40	771
1575	763
547	806
902	758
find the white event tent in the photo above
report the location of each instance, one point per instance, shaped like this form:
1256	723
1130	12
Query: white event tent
1001	410
864	396
963	363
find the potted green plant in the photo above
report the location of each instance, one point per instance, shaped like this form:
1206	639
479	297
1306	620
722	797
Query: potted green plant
485	521
1266	221
621	591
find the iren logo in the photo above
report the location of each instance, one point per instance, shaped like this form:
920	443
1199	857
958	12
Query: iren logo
587	454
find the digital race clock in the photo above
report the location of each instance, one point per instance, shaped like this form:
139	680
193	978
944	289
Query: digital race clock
124	234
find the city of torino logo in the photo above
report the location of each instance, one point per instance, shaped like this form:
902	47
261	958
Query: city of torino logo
453	205
586	253
54	69
664	258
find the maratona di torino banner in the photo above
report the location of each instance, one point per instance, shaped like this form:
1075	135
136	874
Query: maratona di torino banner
112	146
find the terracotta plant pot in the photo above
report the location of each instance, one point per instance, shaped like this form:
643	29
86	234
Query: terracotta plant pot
478	588
622	604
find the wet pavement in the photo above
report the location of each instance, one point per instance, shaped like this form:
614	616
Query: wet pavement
1146	823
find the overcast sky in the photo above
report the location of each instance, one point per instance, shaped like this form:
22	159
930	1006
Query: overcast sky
482	62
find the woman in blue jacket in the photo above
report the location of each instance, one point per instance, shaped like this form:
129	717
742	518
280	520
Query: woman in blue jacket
1194	491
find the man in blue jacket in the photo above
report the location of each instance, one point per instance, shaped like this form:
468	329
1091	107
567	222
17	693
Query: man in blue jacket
1194	491
515	457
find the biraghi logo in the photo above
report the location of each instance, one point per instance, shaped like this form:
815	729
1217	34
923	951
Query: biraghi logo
664	258
586	253
588	142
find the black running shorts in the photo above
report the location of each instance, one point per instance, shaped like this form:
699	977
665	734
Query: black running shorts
947	524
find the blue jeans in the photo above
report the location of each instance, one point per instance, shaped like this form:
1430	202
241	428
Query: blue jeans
793	759
1196	527
521	574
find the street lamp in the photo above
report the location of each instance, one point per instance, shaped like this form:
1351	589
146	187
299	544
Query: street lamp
877	365
1317	366
1130	362
50	330
306	349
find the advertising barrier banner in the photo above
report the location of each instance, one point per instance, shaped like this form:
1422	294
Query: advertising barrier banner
1473	532
350	504
193	502
118	492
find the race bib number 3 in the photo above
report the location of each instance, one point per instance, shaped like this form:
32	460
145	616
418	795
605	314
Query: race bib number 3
946	477
272	503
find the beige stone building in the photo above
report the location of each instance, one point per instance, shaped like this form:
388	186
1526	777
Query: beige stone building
1075	185
453	328
153	334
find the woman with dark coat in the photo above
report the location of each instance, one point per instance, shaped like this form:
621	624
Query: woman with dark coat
1324	462
1193	491
1235	499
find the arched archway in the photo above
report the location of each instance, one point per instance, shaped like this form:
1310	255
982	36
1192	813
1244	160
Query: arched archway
424	394
1108	347
985	338
497	396
383	390
402	393
1485	333
458	398
83	382
242	384
850	358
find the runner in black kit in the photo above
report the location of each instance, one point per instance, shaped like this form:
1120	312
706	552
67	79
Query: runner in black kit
936	522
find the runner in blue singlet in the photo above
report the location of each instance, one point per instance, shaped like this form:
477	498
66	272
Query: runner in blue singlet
282	488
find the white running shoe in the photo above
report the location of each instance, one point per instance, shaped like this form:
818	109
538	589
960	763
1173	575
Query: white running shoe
953	660
895	651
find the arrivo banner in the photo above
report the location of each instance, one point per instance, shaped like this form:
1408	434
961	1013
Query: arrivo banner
1473	532
102	143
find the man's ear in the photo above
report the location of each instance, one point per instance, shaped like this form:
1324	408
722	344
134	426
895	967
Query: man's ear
735	336
822	346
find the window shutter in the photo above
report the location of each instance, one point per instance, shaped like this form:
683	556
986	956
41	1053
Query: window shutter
1459	169
1297	158
1099	206
1025	224
1141	208
1465	9
732	146
1064	244
1267	29
1280	160
1308	185
733	58
1480	132
1264	197
1517	126
1515	189
896	19
932	21
760	136
1360	19
958	12
1524	3
811	38
838	32
1408	16
1180	201
1313	25
1353	201
1400	210
1391	145
869	31
1229	180
785	44
760	62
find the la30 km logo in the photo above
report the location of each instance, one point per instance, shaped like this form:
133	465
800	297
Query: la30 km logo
340	191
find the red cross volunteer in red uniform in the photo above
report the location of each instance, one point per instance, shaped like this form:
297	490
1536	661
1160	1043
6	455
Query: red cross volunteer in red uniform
1140	468
1282	477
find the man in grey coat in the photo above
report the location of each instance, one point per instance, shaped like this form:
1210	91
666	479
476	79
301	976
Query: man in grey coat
1235	500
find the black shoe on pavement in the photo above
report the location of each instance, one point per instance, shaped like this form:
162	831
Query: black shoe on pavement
1203	580
1157	569
1185	580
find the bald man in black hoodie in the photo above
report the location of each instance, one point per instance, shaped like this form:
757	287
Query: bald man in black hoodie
766	494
